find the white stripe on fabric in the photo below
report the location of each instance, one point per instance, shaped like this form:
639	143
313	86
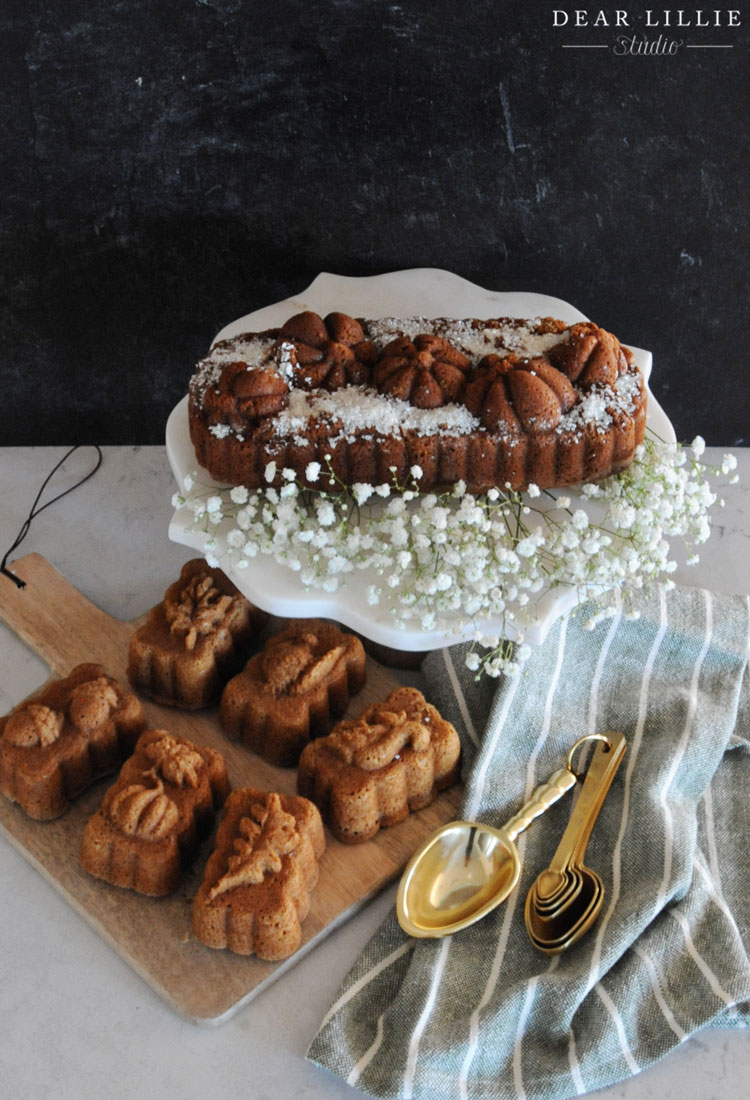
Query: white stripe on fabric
575	1069
718	899
494	974
460	697
365	980
678	755
547	719
716	895
505	931
488	750
594	693
632	757
713	854
698	959
633	751
368	1055
657	991
525	1013
611	1007
416	1038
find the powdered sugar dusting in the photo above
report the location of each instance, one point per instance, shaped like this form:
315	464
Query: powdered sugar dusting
357	408
598	407
255	350
474	338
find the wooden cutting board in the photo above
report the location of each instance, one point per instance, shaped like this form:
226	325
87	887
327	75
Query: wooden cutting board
154	934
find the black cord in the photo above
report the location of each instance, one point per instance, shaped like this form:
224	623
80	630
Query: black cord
35	510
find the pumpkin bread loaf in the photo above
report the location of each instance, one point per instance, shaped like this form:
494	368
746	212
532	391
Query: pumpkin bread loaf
501	402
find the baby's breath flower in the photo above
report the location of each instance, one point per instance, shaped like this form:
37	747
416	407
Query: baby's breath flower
451	558
236	539
326	513
526	548
472	660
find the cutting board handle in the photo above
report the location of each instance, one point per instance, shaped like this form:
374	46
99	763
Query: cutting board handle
55	620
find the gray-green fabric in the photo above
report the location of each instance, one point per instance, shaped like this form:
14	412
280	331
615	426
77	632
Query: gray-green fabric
483	1014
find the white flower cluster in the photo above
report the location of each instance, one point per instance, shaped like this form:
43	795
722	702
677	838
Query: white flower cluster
442	561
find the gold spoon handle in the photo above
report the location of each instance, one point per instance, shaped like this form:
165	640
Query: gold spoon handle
601	771
542	798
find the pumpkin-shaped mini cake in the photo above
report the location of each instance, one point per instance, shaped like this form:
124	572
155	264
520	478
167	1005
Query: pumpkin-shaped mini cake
55	745
294	690
194	640
153	818
372	771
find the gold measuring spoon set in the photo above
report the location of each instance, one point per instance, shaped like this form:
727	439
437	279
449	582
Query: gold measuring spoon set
466	869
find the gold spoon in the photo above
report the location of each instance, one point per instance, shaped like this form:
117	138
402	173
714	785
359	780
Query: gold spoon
465	869
567	897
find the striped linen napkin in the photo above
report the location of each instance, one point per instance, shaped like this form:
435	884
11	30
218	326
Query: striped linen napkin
482	1014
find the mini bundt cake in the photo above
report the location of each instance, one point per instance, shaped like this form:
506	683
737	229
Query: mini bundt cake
374	770
499	402
294	690
195	640
153	818
257	883
55	745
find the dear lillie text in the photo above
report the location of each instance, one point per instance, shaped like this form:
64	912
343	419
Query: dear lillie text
652	32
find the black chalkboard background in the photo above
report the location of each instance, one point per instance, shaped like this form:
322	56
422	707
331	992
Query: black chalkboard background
169	165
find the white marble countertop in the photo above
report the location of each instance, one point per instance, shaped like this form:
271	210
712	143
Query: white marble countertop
75	1020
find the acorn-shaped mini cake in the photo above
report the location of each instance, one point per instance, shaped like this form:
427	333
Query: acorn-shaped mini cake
294	690
56	744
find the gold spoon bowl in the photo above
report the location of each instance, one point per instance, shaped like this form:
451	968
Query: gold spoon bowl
466	869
